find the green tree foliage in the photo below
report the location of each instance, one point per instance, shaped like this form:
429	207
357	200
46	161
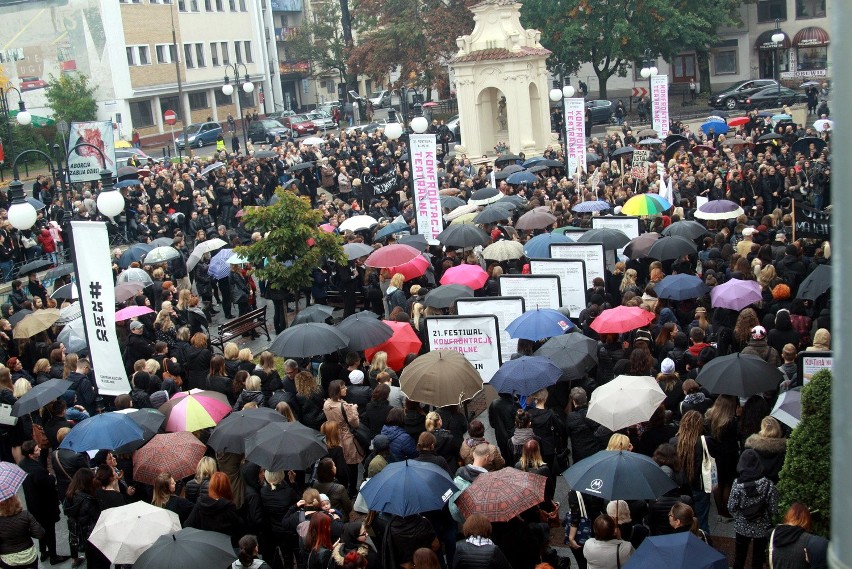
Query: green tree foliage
293	244
613	34
71	98
806	475
321	40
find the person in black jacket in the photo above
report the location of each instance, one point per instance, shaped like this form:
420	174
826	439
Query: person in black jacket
66	462
138	347
357	392
477	551
581	430
82	510
239	291
195	359
375	413
42	499
216	511
501	416
277	497
549	428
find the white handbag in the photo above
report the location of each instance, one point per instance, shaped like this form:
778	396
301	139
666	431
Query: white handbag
709	473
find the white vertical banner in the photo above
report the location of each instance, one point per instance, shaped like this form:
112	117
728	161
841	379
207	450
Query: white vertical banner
660	104
97	302
85	163
427	201
575	134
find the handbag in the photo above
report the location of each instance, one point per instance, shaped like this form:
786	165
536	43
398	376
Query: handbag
361	434
167	375
551	518
6	417
584	528
709	472
39	437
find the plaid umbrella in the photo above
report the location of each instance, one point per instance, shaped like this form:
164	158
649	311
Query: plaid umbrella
11	479
502	495
175	453
219	267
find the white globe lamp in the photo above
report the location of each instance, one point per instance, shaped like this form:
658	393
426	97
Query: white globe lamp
393	130
21	214
555	95
567	91
419	125
227	89
248	86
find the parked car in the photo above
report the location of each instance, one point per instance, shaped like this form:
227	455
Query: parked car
199	134
380	99
453	124
322	119
299	124
600	111
329	107
367	128
32	83
733	95
267	130
122	155
772	97
278	115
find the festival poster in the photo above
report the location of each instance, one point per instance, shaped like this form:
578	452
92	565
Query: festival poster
660	104
575	134
97	303
505	308
572	277
538	291
477	338
592	253
84	161
427	201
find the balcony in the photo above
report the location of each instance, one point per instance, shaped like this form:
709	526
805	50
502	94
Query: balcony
285	34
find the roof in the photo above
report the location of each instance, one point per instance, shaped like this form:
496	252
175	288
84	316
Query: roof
501	53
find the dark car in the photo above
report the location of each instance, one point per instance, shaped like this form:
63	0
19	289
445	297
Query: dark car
600	111
300	125
267	130
772	97
730	98
200	133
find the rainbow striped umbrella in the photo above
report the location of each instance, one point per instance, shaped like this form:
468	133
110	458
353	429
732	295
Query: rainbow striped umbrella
646	204
195	411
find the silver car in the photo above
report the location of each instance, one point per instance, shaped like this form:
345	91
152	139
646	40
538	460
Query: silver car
322	119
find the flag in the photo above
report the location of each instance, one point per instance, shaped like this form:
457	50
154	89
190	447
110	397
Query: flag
811	222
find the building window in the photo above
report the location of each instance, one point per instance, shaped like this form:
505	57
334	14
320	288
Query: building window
198	101
187	56
131	55
243	6
246	99
226	57
208	5
771	10
222	100
220	6
810	9
144	55
232	4
812	58
725	62
199	55
182	5
129	1
238	52
163	53
171	104
141	114
214	54
138	55
193	5
247	48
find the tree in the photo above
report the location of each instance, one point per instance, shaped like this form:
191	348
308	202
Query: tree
71	98
322	41
293	244
806	475
613	34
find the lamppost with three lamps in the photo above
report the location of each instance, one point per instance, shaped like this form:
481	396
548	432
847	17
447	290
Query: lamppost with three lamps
23	117
228	90
647	72
777	38
394	130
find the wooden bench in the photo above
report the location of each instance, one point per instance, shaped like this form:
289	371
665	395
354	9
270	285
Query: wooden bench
248	322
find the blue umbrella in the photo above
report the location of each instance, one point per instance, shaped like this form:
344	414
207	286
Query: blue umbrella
532	161
127	183
619	475
781	117
661	200
589	207
107	431
525	375
719	127
521	178
539	246
539	324
134	254
219	266
407	488
676	551
681	287
391	228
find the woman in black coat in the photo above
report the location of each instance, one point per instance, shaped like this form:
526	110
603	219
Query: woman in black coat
477	551
377	410
195	359
216	511
239	290
277	497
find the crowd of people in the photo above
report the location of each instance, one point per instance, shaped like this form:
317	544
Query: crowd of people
313	519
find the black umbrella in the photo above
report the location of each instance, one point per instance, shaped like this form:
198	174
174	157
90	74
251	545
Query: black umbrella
770	136
419	242
189	547
550	163
60	271
134	254
452	202
687	228
639	246
306	340
574	353
314	313
672	138
230	435
126	171
39	396
623	150
739	375
667	248
211	167
815	284
301	166
262	154
464	236
485	196
364	332
506	158
611	238
20	315
508	171
675	147
492	214
446	295
33	266
150	421
618	475
285	446
537	168
593	158
803	144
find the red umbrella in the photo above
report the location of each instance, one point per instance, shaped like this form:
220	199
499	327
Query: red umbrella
392	256
175	453
403	342
412	269
701	148
472	276
622	319
738	121
502	495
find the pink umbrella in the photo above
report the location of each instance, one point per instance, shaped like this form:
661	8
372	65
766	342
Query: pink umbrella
327	227
195	411
621	319
391	256
132	312
735	294
472	276
412	269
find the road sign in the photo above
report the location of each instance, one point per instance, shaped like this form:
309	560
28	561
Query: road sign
170	117
640	92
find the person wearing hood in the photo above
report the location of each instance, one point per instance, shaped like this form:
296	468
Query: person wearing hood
217	511
783	332
694	398
354	538
395	296
770	445
696	342
792	546
549	429
139	393
754	504
402	445
822	341
757	346
251	393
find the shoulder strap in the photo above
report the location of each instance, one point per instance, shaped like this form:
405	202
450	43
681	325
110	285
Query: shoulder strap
345	418
618	556
583	513
59	462
704	446
771	547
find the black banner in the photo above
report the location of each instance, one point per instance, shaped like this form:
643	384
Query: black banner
811	222
380	184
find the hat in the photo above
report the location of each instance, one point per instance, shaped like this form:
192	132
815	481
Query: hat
356	377
643	336
11	363
701	309
381	443
159	398
748	231
495	234
668	366
758	333
136	325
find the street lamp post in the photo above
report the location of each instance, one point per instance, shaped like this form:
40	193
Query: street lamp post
647	72
24	118
228	90
563	95
777	38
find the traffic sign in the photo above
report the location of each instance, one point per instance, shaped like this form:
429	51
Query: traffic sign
170	117
640	92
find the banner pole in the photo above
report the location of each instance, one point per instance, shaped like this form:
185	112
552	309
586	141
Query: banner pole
793	201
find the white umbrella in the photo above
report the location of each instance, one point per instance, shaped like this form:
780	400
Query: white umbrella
823	124
788	408
124	533
313	141
357	223
624	401
69	313
204	247
461	210
135	276
503	250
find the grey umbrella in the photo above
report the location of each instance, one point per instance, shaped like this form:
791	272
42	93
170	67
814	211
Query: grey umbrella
211	168
356	250
33	266
668	248
161	255
446	295
451	202
20	315
492	214
262	154
419	242
162	242
314	313
364	332
611	238
623	150
574	353
464	236
687	228
60	271
306	340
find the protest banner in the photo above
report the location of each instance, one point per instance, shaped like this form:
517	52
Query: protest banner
539	291
427	201
591	253
477	338
639	164
86	142
572	278
381	183
505	308
575	134
810	222
811	362
660	104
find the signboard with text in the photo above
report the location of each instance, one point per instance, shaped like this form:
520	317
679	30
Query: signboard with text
811	362
575	134
539	291
639	165
477	338
591	253
660	104
427	201
505	308
91	148
572	278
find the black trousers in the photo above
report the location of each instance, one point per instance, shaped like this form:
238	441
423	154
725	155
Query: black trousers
758	551
225	291
47	544
279	316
